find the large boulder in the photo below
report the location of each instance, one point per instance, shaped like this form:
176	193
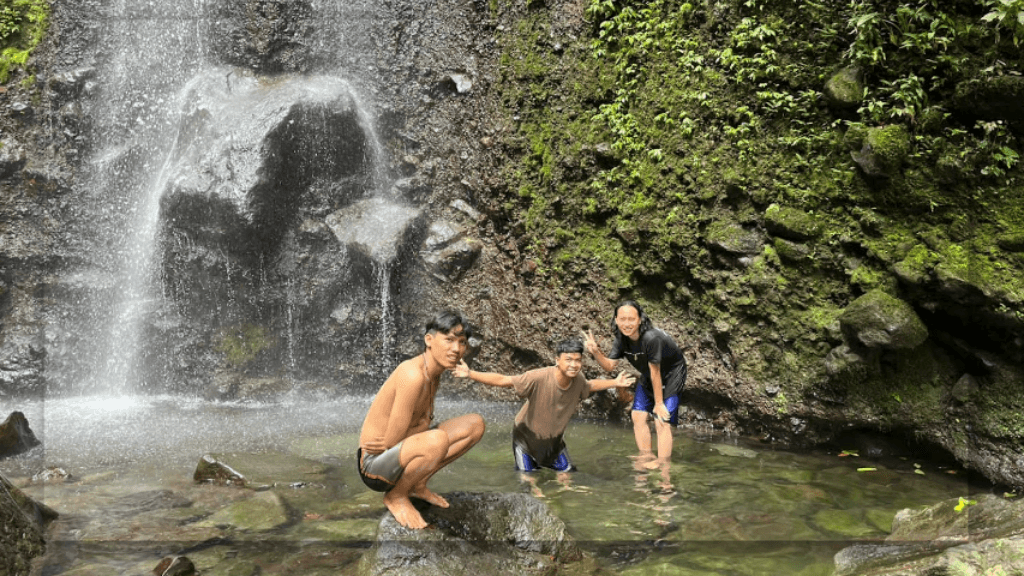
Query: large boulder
877	320
512	534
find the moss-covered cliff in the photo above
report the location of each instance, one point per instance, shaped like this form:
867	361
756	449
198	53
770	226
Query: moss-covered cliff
751	168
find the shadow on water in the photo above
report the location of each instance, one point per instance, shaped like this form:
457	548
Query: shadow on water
723	506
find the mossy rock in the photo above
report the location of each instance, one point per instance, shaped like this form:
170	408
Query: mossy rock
1012	242
884	151
877	320
791	223
999	98
733	238
845	90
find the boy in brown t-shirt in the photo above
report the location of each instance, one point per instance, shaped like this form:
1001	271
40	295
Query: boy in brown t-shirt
552	395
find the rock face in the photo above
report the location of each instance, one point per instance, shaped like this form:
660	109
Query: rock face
479	534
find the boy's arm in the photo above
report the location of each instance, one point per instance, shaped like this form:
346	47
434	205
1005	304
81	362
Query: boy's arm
489	378
622	381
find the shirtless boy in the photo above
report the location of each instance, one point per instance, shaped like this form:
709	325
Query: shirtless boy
399	450
552	395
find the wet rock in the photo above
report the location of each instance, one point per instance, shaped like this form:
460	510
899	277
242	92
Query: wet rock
511	534
249	148
377	228
21	531
16	436
258	470
982	532
877	320
845	90
12	157
264	35
175	566
263	511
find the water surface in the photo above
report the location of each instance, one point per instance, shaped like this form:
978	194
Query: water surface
724	506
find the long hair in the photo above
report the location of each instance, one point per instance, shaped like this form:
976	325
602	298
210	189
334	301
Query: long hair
645	321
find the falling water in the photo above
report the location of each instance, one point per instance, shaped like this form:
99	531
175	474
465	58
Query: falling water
155	49
127	171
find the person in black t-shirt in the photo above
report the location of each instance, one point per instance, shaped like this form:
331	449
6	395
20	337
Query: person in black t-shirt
662	368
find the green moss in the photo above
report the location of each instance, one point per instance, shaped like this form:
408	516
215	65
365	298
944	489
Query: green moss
241	344
23	23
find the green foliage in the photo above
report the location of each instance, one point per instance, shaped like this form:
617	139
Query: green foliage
22	26
1008	15
241	344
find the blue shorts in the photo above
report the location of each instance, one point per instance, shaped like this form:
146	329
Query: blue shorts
526	463
642	403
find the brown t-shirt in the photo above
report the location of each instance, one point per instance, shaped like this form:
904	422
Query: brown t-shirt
543	418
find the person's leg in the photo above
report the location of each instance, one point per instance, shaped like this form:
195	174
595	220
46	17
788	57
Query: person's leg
463	433
664	430
641	430
421	457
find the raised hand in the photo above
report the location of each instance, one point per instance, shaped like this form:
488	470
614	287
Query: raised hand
589	343
624	380
461	370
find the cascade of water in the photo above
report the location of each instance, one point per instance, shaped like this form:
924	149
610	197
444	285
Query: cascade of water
136	131
130	117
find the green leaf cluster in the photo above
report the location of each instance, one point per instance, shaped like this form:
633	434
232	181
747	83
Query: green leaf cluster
23	23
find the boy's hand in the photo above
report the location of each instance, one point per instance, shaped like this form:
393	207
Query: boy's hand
624	380
461	370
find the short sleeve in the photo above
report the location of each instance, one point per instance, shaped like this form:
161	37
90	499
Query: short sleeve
653	345
524	384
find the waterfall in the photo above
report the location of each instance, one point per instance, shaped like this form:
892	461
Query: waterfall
153	51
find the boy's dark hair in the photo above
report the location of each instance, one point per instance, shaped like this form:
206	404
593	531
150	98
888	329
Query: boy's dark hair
570	346
447	321
645	322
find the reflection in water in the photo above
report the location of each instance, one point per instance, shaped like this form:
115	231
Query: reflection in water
720	507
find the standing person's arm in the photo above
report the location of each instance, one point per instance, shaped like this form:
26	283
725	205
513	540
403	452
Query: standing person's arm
591	345
660	410
489	378
622	381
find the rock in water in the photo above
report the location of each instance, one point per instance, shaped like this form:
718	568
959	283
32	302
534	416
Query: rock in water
499	533
16	436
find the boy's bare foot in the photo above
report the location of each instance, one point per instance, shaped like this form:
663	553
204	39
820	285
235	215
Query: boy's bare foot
403	511
655	464
426	495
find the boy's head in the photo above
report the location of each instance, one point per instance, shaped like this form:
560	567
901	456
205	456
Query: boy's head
448	321
569	357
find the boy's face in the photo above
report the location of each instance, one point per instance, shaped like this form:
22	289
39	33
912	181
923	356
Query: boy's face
569	363
447	348
628	321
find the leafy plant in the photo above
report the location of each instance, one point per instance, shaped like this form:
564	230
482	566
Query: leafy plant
1006	14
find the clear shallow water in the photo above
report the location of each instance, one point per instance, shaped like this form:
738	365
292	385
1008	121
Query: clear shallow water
723	506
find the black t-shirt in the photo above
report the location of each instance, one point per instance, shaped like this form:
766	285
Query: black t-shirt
654	347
